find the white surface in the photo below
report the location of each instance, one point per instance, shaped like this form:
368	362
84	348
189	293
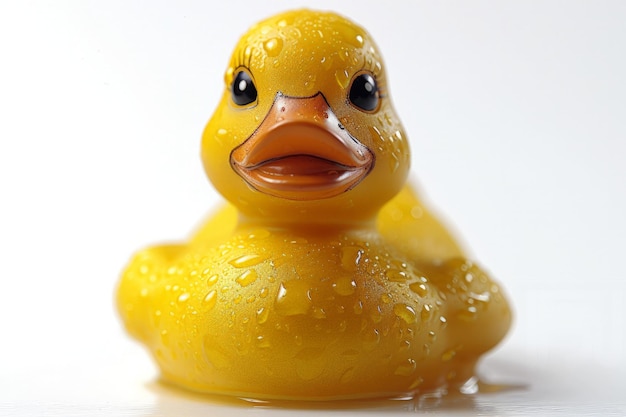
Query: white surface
517	116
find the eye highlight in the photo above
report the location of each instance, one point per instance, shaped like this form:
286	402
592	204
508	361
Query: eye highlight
243	90
364	92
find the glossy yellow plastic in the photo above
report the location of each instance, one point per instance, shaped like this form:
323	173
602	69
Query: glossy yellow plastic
324	277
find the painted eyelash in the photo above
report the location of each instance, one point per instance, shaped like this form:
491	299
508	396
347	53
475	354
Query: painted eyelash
377	72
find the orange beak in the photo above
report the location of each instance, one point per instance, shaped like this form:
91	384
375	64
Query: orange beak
302	152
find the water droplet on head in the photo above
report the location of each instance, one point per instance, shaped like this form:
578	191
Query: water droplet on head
273	46
483	297
342	77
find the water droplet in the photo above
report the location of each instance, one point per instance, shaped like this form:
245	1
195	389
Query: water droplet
143	292
246	261
448	355
165	338
406	368
247	278
293	298
262	342
210	299
419	288
394	162
261	315
405	312
351	257
319	313
394	275
483	297
470	386
426	312
417	212
299	241
183	297
371	338
273	46
342	77
376	315
349	34
343	325
344	286
358	307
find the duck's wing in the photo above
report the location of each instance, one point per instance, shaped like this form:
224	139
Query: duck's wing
218	227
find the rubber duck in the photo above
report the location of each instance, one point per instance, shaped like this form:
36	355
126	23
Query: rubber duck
324	277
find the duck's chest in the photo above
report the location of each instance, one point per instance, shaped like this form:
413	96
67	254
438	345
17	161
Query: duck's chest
317	275
344	260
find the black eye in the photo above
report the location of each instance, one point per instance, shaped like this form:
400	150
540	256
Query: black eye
364	92
243	89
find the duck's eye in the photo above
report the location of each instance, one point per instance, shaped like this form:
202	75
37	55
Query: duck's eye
243	90
364	92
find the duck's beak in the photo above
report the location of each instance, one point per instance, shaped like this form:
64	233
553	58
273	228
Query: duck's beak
302	152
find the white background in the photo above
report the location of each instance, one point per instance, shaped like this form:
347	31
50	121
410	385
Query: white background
517	117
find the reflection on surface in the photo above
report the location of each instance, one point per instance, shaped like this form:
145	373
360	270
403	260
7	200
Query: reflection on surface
517	386
172	400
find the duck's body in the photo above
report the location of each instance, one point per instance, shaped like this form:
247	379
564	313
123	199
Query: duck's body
304	287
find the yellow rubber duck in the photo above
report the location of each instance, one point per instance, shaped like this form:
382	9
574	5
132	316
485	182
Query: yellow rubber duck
325	277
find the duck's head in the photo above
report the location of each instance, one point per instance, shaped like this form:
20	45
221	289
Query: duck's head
305	131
